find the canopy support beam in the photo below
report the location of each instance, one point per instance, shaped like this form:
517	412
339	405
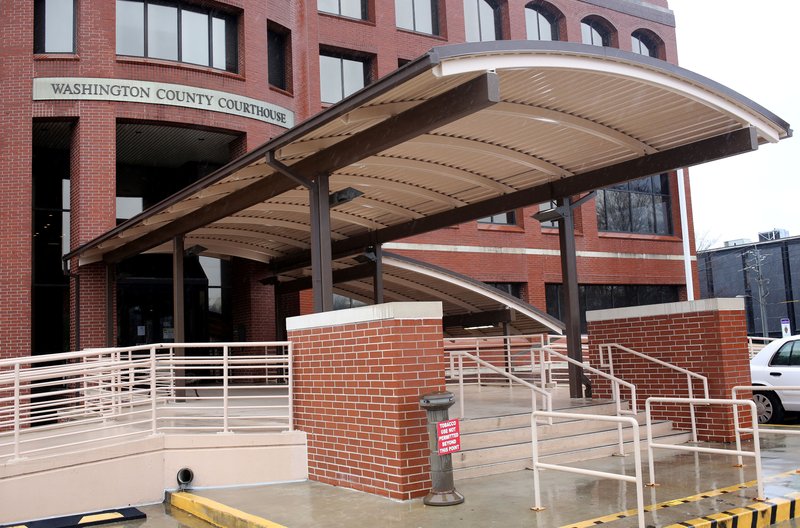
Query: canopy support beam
460	101
714	148
321	261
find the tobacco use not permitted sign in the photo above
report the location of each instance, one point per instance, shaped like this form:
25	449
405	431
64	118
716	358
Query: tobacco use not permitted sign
449	435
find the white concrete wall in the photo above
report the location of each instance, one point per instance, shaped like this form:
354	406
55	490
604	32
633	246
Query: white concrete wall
138	472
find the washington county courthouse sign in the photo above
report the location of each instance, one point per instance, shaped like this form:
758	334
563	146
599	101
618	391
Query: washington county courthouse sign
78	88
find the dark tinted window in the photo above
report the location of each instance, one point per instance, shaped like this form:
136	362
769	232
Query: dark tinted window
348	8
638	206
482	20
54	26
540	24
417	15
341	75
507	218
278	53
177	31
594	32
644	44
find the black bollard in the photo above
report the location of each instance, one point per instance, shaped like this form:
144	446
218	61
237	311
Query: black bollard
443	491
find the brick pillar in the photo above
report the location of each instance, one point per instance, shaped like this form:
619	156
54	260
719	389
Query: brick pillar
358	376
16	198
708	337
93	158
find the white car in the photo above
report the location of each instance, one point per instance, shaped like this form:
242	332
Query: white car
776	365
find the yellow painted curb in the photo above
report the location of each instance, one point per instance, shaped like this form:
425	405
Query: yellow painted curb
216	513
758	515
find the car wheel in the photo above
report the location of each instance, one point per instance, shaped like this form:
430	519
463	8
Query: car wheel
768	407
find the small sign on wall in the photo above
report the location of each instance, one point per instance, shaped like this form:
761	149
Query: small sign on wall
449	435
786	328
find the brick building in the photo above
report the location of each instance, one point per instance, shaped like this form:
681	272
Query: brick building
111	107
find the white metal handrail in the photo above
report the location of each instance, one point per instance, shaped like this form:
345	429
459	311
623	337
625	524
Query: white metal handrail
734	403
80	400
616	383
607	361
762	388
620	420
461	355
756	343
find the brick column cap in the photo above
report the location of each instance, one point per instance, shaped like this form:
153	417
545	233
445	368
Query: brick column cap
654	310
365	314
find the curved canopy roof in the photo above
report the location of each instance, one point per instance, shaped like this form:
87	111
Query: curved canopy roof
462	297
461	132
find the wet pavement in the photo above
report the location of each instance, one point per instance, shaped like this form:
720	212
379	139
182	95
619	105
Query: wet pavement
505	500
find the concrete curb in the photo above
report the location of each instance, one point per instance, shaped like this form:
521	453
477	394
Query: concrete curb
217	513
757	515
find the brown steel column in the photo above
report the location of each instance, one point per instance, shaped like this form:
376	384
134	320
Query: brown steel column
178	290
377	277
572	312
110	319
321	259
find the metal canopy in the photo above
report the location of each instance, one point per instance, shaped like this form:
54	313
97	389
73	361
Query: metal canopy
470	307
462	132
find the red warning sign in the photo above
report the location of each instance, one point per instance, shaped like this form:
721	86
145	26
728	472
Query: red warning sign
449	437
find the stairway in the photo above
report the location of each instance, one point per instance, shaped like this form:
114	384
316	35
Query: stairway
500	444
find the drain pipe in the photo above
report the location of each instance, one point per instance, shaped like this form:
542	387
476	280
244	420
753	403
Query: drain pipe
77	277
184	477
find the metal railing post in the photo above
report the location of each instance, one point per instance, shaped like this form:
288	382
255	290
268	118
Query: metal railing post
691	409
153	397
290	379
225	352
17	419
636	479
461	384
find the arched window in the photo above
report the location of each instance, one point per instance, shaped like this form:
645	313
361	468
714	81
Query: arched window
541	22
482	20
645	43
595	32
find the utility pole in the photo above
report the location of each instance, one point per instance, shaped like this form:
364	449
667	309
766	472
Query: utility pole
754	260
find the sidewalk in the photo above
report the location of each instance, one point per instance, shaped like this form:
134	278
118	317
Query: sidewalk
691	486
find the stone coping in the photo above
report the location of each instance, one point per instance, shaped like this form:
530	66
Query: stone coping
365	314
652	310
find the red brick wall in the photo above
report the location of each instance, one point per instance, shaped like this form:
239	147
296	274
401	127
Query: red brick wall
16	35
708	342
94	166
357	389
254	307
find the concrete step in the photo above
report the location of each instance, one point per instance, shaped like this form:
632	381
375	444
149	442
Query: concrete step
559	444
522	433
493	423
563	458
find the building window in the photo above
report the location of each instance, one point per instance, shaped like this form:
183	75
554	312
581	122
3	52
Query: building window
340	76
606	296
507	218
645	44
482	20
540	23
279	56
638	206
421	16
177	31
347	8
54	26
340	302
595	32
511	288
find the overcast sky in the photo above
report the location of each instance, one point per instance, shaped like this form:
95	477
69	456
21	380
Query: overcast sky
753	48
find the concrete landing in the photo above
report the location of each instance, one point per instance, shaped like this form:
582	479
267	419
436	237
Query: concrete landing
692	486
